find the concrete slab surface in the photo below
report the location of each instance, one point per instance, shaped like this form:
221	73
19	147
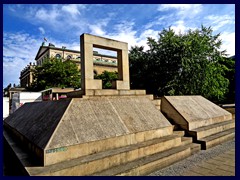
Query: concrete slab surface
105	117
196	111
37	121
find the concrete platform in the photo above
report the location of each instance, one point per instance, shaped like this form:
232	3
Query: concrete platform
201	119
191	112
205	131
71	128
217	138
147	165
104	160
105	92
161	152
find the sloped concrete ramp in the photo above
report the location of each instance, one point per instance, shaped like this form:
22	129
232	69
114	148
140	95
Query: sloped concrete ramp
104	117
207	123
191	112
37	121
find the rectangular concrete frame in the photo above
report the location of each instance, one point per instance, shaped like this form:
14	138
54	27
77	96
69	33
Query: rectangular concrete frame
88	42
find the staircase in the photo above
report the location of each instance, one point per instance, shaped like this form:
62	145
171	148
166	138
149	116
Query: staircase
214	134
138	159
204	121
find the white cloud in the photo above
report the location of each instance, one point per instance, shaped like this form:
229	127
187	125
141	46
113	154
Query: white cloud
124	32
73	9
142	40
162	20
58	18
181	7
179	27
41	29
219	21
19	50
96	30
184	10
47	15
228	42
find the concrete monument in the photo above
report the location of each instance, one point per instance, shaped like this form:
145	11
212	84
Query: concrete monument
88	42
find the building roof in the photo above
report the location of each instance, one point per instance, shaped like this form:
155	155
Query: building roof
44	49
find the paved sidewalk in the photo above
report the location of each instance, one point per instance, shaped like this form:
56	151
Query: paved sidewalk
222	165
215	161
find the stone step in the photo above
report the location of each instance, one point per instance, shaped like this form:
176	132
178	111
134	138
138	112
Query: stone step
194	148
113	92
179	133
107	159
157	102
216	139
195	124
211	129
186	140
148	164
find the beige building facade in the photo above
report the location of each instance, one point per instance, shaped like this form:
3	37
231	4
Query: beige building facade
101	62
26	75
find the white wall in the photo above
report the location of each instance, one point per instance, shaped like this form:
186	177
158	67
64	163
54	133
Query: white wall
20	98
5	107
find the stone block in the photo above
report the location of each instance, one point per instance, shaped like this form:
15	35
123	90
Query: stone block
140	92
93	84
120	85
127	92
157	102
105	92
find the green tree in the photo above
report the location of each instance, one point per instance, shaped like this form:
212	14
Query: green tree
229	64
181	64
107	78
55	73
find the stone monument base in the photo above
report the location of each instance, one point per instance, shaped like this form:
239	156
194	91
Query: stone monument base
206	122
91	135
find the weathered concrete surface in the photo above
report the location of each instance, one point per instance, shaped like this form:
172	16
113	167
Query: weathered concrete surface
66	129
37	121
103	160
191	112
105	92
105	117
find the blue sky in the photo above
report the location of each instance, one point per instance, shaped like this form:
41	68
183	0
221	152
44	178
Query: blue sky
25	26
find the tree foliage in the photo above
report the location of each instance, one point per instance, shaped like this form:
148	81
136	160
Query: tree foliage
229	63
107	78
181	64
55	73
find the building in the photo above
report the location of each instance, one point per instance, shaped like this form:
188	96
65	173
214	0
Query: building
101	62
26	75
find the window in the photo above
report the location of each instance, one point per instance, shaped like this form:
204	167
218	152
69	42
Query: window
69	57
58	56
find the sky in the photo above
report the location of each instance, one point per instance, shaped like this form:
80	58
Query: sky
26	25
